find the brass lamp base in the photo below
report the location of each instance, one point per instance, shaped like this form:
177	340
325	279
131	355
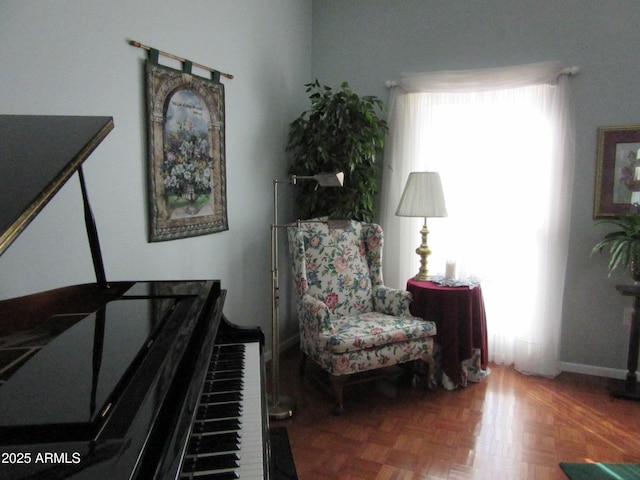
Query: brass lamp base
423	251
422	277
281	409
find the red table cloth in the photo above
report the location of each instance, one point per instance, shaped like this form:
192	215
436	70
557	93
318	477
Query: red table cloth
460	317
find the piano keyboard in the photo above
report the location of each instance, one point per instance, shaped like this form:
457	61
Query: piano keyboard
226	437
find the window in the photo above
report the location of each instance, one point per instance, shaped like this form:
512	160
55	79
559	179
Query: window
502	153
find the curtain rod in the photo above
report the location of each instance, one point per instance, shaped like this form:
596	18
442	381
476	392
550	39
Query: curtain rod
458	74
180	59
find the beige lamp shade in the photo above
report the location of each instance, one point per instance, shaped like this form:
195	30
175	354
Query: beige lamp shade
422	196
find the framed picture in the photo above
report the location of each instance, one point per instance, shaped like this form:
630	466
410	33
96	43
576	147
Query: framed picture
186	149
617	171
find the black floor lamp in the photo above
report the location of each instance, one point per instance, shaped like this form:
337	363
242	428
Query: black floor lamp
282	407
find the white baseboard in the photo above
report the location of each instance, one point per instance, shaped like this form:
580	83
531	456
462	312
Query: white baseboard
593	370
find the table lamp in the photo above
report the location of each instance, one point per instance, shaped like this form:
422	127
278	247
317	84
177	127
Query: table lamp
422	197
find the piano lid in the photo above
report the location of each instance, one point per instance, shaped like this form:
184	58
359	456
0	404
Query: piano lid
38	154
71	378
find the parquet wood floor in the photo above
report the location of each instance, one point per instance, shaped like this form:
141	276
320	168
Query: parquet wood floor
510	426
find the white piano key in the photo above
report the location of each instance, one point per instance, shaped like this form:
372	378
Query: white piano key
251	445
251	441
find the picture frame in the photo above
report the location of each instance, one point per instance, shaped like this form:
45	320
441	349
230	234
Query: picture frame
186	154
617	188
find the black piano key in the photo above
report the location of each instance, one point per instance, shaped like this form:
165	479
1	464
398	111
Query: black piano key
220	355
228	359
205	463
225	385
224	375
211	386
220	397
219	411
221	383
233	346
227	442
219	367
226	355
226	350
212	426
217	428
210	476
222	469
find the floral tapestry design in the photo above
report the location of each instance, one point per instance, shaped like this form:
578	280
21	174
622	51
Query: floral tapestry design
187	193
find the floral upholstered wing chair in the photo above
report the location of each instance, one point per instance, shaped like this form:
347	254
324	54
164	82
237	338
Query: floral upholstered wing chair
349	321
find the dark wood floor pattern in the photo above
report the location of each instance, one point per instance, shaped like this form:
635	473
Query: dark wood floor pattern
510	426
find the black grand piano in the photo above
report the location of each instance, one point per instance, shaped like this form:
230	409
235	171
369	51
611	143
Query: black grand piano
118	380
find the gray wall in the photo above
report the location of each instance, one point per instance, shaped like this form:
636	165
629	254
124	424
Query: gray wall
71	57
369	41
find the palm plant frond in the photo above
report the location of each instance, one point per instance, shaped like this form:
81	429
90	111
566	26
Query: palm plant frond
623	244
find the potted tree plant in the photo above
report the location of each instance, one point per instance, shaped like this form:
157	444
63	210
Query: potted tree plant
623	244
340	132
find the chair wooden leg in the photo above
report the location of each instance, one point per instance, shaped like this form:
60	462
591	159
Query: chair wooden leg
337	385
423	373
430	372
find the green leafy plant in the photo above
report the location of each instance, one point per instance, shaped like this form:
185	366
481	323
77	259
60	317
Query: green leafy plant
623	244
340	132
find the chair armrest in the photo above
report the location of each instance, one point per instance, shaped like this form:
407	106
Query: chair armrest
314	314
392	301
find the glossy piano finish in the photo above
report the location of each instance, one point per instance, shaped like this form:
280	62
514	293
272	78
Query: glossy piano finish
86	404
101	380
38	154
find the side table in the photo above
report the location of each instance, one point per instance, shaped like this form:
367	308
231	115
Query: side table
460	318
628	388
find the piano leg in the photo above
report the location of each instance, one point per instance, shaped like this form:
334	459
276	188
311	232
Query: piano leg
282	466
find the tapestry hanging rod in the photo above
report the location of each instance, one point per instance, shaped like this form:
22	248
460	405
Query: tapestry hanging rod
180	59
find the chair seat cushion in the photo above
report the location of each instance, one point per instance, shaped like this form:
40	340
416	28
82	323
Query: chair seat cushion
372	329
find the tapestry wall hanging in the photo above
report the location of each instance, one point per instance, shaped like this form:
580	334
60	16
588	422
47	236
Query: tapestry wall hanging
186	148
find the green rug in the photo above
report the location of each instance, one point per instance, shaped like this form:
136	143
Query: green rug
601	471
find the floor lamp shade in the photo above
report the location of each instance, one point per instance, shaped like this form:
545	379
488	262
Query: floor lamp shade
422	197
323	179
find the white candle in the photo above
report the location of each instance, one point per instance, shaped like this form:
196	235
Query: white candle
450	271
637	173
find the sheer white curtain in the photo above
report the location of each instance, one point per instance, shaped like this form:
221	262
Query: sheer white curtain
502	142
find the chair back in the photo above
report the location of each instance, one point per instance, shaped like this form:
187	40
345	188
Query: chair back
338	266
